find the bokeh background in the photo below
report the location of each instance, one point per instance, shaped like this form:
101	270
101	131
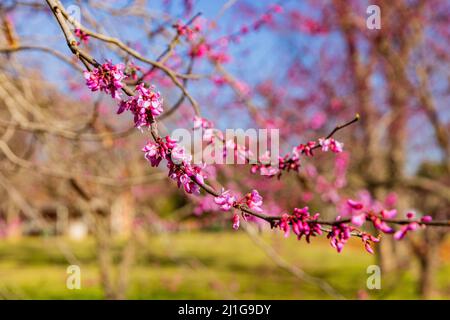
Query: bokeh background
76	190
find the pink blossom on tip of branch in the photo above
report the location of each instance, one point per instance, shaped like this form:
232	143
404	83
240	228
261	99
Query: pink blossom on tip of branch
410	215
400	234
305	148
331	144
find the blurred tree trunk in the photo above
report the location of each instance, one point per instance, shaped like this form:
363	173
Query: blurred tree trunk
428	266
427	252
103	238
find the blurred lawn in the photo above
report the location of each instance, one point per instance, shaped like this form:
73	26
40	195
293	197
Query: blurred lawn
202	265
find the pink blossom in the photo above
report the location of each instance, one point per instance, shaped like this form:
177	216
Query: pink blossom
426	219
400	234
145	105
132	69
303	224
339	235
277	8
254	200
219	80
200	50
222	57
209	134
284	224
388	214
155	152
367	239
410	215
149	99
200	122
318	120
179	155
188	32
381	225
235	221
354	205
331	144
359	219
152	153
225	200
107	78
268	170
306	148
391	199
189	177
84	37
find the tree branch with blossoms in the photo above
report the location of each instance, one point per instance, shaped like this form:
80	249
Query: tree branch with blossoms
146	105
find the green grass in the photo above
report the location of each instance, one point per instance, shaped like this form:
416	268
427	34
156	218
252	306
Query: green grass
202	265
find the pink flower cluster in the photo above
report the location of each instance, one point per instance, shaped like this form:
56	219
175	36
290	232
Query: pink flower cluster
413	225
379	222
145	105
187	31
252	200
303	224
225	201
339	235
203	123
367	239
186	175
331	144
107	78
291	161
155	152
84	37
178	163
305	149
